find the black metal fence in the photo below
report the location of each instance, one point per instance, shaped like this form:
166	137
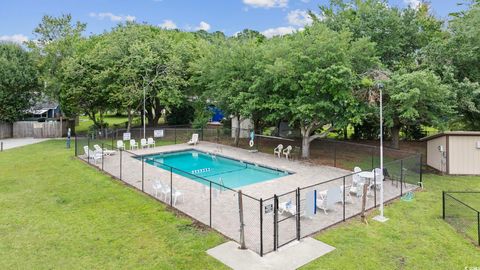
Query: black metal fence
461	209
264	224
335	153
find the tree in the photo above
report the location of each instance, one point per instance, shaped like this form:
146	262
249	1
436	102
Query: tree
227	73
414	98
455	58
54	41
18	81
82	89
312	75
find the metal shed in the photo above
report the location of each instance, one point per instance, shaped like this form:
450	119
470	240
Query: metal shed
454	152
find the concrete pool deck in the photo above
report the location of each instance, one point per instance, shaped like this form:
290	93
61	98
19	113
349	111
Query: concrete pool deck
195	196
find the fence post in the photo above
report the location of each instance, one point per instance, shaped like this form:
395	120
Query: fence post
1	148
421	170
201	130
143	173
344	202
298	212
171	186
334	154
121	163
401	177
175	132
275	223
375	189
478	227
76	151
371	154
261	227
210	209
102	156
443	204
242	223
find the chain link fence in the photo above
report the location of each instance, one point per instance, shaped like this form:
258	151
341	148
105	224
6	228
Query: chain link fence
462	211
264	225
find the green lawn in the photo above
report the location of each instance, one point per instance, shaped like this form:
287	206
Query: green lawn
58	213
415	237
85	123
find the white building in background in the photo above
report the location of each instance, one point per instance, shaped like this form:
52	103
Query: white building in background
454	152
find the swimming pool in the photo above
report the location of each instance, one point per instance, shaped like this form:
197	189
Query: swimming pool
229	172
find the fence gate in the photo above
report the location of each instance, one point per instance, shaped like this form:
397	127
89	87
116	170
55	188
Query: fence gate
286	220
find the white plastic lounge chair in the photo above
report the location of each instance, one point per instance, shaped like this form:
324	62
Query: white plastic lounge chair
357	169
278	150
133	144
290	208
105	151
328	201
286	151
287	207
150	142
194	139
143	143
120	145
93	155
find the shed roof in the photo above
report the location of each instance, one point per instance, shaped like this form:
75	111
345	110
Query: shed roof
451	133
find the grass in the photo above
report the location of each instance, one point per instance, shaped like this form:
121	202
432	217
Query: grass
85	123
415	237
59	213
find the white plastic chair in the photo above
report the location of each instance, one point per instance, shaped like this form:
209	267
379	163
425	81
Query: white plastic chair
95	156
278	150
143	143
177	194
157	187
120	145
194	139
377	182
150	142
328	201
286	151
133	144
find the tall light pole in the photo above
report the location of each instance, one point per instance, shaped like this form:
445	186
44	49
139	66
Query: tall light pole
381	217
144	112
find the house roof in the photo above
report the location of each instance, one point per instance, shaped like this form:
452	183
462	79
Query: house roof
42	106
451	133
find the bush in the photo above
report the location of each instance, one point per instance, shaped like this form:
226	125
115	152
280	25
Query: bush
181	115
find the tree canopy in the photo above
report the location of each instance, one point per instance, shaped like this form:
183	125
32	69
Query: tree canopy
19	84
322	78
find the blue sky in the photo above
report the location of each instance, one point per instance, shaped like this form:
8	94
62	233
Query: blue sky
19	17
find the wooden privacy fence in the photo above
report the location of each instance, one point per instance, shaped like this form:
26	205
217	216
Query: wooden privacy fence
48	129
5	130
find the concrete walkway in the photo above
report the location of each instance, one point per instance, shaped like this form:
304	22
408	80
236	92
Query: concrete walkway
17	142
291	256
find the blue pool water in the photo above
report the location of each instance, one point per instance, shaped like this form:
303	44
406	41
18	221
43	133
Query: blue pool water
228	172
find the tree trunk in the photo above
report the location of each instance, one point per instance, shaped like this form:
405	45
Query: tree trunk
129	122
395	130
305	146
237	131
